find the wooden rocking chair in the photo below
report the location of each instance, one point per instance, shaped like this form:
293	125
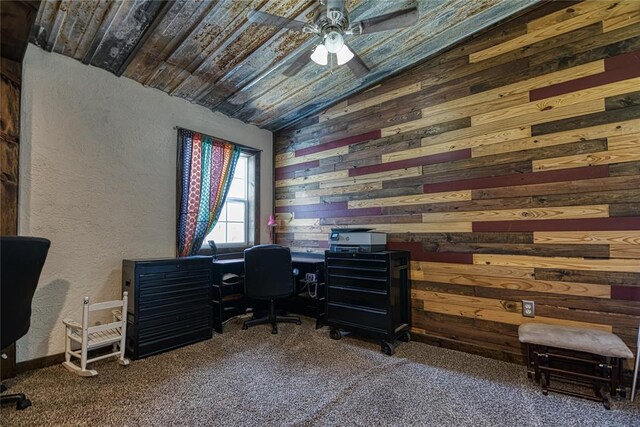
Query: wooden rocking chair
92	337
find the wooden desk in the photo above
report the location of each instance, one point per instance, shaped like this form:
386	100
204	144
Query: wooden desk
228	299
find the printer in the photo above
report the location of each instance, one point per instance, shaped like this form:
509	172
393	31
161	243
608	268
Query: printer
356	240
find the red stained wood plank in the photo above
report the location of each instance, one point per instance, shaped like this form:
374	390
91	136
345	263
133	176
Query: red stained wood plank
582	224
339	143
629	59
573	174
419	254
288	172
409	163
626	293
614	73
338	213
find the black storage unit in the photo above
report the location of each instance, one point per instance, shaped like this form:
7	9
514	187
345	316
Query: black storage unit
227	291
369	293
169	303
310	292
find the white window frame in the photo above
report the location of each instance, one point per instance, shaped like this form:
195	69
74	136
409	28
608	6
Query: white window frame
247	202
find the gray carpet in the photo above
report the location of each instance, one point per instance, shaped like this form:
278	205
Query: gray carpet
300	377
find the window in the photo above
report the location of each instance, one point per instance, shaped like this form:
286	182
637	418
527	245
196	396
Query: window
237	219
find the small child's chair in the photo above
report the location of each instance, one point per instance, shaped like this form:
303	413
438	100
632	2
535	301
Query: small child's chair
92	337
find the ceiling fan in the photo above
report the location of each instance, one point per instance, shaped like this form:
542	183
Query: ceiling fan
332	24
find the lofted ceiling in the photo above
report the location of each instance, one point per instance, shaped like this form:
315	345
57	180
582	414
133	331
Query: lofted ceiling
208	53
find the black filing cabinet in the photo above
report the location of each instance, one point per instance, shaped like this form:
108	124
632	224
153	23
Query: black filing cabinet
169	303
369	293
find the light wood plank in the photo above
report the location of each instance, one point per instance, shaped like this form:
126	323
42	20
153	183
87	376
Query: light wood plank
530	285
313	178
372	177
489	309
624	251
525	214
311	236
609	130
306	250
287	219
571	11
418	199
585	95
626	237
344	108
466	300
588	159
449	227
622	20
564	112
601	11
469	110
512	89
506	317
428	149
623	142
298	201
358	188
420	270
631	266
325	154
320	229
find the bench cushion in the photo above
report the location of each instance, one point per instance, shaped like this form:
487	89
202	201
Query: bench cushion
572	338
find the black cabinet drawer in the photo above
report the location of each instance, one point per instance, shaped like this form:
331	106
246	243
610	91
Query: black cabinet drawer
355	296
162	343
358	316
379	284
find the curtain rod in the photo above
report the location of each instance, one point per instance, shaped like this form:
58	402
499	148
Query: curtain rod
220	139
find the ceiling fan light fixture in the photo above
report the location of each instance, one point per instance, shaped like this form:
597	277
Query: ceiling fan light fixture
320	55
333	41
344	55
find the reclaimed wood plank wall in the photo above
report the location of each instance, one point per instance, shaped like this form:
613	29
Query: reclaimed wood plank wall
509	166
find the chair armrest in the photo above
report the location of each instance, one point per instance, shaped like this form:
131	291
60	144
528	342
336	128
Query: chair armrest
117	314
72	324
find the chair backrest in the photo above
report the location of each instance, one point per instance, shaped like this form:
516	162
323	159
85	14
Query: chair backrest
21	262
268	272
120	304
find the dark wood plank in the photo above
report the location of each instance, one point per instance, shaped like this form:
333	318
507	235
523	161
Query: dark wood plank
588	276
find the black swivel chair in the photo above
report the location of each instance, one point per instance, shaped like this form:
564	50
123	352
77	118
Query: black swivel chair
268	275
22	259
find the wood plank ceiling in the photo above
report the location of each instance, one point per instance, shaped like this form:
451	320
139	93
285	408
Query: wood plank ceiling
207	52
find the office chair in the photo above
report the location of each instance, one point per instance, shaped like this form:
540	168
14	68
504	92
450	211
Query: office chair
268	275
22	259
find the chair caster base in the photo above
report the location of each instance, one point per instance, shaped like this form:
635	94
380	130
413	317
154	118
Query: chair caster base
23	404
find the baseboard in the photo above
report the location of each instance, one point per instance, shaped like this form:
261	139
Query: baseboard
53	359
469	348
39	363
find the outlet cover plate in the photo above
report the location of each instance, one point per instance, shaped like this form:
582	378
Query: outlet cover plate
528	308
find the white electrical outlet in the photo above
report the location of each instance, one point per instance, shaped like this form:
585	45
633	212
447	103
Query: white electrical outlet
528	308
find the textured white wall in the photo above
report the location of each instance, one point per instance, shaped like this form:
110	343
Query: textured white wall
98	178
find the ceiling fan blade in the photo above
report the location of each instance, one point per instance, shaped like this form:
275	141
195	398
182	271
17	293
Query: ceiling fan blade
264	18
390	21
297	64
357	66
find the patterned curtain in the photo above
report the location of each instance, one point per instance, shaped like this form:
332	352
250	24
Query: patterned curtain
207	170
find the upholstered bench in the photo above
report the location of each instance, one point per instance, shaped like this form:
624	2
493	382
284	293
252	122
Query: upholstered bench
575	355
